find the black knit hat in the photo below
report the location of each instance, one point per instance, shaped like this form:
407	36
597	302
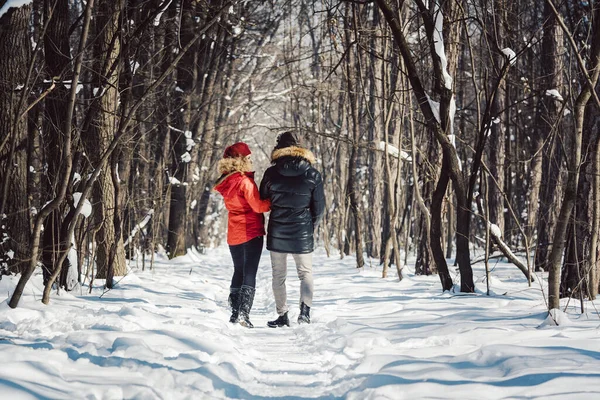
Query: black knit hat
287	139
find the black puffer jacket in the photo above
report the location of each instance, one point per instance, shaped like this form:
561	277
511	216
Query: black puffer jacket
295	189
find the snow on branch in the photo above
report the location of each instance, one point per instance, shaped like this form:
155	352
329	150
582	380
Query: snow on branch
257	99
496	234
394	151
175	182
162	8
451	114
86	211
510	54
139	226
554	93
438	42
435	108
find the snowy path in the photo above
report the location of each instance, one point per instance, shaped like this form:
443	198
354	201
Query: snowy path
164	334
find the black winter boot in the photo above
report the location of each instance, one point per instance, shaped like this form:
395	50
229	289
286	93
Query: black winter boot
234	303
282	320
304	316
246	300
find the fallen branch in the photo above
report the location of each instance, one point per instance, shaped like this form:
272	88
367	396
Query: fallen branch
495	234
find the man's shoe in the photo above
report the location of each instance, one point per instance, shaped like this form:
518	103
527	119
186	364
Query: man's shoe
304	317
283	320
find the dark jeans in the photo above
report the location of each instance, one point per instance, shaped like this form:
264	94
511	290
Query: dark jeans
245	262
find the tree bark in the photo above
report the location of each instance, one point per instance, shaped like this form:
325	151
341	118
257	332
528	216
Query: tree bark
497	141
15	53
574	164
62	189
187	79
593	279
354	126
56	51
545	165
102	131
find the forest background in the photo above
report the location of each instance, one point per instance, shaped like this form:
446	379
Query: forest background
438	126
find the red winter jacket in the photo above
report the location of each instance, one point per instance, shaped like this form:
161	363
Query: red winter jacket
245	220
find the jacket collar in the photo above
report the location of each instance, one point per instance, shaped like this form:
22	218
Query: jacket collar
293	151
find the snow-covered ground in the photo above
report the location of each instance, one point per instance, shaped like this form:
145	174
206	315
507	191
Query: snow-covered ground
164	334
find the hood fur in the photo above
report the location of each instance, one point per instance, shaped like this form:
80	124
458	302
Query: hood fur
293	151
227	166
230	166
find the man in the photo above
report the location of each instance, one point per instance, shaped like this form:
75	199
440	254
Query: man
295	189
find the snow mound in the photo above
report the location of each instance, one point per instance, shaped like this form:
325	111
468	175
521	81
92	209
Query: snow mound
556	318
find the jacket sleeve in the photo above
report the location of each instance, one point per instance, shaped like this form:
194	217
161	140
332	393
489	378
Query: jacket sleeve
250	192
264	186
317	201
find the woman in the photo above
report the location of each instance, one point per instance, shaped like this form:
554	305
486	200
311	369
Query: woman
245	227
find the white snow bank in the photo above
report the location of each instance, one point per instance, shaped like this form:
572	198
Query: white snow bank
556	318
164	333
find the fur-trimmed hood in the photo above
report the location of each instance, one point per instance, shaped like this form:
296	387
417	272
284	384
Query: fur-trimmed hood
229	167
238	164
292	161
293	151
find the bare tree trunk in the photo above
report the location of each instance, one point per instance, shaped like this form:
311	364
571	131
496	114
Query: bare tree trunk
592	258
187	79
15	51
574	163
450	228
497	141
424	264
213	59
62	189
440	130
352	188
102	132
377	113
436	227
161	144
576	264
392	185
545	165
570	195
56	51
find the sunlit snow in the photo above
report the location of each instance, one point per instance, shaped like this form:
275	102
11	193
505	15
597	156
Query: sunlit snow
164	334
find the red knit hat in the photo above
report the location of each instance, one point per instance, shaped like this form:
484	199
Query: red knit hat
239	149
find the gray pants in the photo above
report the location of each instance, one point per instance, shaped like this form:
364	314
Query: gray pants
304	268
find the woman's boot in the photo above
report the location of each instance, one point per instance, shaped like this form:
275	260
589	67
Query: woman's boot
247	298
234	303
